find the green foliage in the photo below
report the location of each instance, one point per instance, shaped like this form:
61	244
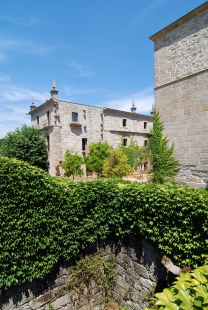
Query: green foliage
116	165
135	154
190	291
94	160
50	307
93	268
43	220
164	165
27	144
72	164
63	181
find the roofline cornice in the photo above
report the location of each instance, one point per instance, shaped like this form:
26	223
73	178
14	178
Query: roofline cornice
43	105
180	21
131	113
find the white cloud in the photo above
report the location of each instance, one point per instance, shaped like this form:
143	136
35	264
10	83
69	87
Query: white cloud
83	71
143	101
20	21
145	12
2	56
11	92
24	46
74	91
4	78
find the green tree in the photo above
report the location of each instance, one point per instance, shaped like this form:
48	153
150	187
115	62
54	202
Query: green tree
164	165
116	165
72	164
98	152
135	154
27	144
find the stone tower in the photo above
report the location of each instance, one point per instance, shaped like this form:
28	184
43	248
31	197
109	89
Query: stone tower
181	91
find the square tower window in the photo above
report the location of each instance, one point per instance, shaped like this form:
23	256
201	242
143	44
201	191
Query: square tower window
48	117
124	122
84	143
48	143
125	142
145	125
74	117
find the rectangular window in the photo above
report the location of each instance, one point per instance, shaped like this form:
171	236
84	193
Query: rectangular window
124	122
145	142
145	125
74	117
48	143
101	136
84	143
48	117
38	120
125	142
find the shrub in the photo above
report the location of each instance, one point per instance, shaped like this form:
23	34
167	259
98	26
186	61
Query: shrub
164	165
72	164
26	143
42	221
190	291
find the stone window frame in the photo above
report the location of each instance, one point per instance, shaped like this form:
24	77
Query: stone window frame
125	141
124	122
145	125
74	117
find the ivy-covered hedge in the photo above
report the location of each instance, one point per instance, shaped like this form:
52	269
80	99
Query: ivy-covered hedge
42	220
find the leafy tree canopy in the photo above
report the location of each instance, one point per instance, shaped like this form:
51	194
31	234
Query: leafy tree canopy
27	144
116	165
135	154
95	159
72	164
164	165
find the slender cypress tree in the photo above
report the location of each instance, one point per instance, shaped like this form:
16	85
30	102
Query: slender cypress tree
164	165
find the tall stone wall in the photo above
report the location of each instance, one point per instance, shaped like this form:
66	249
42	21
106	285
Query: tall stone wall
138	273
181	92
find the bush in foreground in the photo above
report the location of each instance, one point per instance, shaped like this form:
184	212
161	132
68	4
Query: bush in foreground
42	221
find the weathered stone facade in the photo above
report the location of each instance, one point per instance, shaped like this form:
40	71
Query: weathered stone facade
181	91
138	273
73	126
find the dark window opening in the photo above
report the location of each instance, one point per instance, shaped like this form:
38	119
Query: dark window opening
74	117
84	143
48	143
124	122
145	142
125	142
145	165
48	117
38	120
145	125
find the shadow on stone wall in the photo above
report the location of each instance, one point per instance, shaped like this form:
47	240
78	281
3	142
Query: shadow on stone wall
139	273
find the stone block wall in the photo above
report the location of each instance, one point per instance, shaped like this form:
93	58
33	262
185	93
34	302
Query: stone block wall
181	92
138	273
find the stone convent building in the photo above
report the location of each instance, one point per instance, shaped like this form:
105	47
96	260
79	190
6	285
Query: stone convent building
73	126
181	91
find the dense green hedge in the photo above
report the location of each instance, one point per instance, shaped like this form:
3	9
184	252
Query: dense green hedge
42	220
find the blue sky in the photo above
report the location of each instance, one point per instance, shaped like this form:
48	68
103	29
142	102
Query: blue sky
98	51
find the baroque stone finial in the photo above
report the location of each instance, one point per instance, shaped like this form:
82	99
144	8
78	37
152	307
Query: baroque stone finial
133	108
53	83
33	106
54	92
